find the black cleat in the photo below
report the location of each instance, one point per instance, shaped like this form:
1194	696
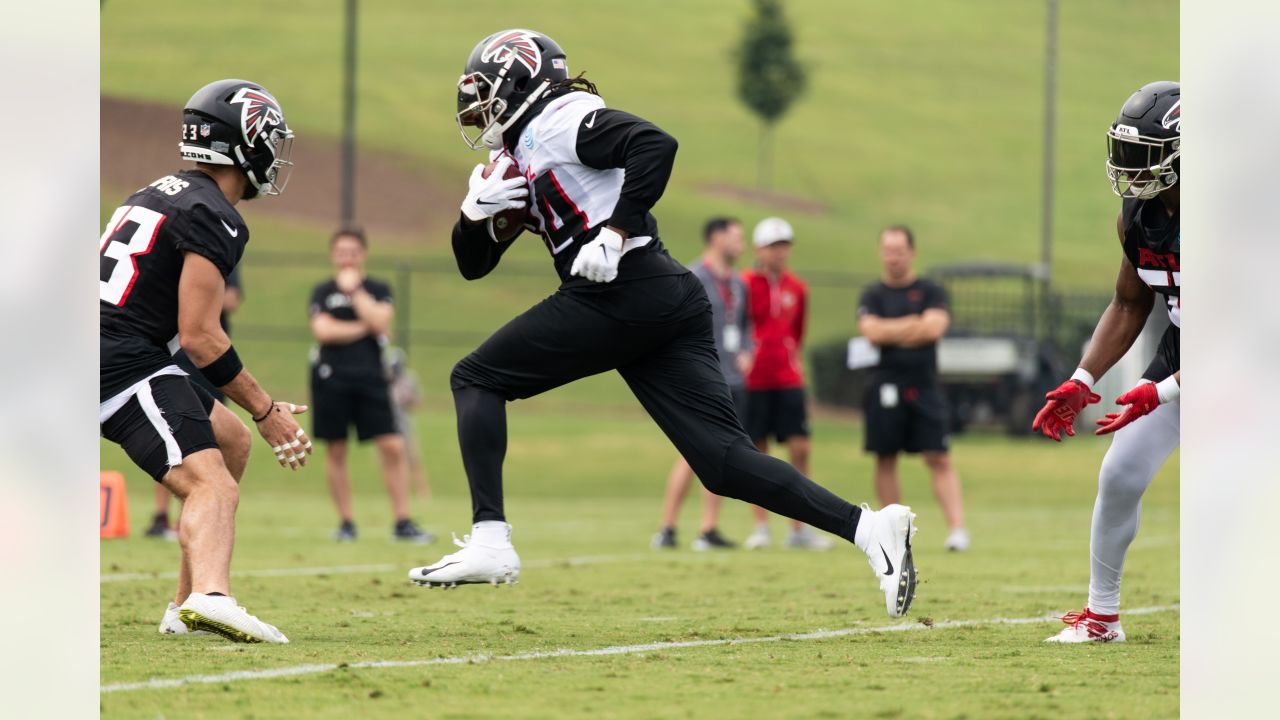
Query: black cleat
346	532
713	540
665	539
408	531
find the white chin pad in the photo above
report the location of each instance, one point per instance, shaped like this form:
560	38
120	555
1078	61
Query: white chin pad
492	138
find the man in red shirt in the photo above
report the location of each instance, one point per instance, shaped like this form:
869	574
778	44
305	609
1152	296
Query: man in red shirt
775	385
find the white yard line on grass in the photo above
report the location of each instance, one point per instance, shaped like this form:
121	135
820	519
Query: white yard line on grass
294	670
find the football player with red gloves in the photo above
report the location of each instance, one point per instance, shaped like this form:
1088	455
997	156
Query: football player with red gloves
1144	146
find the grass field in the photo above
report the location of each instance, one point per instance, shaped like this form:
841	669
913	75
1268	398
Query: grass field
591	582
924	112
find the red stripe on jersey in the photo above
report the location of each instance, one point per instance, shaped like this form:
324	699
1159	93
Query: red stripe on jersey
586	224
133	259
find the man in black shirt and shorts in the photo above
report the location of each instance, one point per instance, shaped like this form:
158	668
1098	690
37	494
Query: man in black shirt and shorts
350	315
904	316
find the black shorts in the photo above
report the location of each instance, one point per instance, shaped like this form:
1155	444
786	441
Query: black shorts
165	421
917	422
337	403
780	413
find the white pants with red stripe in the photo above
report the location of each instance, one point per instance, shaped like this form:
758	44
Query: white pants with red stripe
1137	452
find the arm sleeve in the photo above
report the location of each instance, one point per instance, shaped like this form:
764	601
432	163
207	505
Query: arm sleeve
870	303
614	139
380	291
802	315
477	254
316	306
937	298
207	234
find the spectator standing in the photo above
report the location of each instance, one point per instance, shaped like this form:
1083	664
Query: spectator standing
775	385
906	411
350	316
730	321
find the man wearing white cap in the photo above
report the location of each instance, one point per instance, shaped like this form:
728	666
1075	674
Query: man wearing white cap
775	385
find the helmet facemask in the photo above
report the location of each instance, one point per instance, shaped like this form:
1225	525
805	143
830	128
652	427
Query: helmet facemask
264	168
1138	166
481	106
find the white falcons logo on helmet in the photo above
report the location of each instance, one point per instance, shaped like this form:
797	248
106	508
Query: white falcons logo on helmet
1173	119
259	113
518	43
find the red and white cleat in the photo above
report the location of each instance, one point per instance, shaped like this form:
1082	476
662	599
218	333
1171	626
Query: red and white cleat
1088	626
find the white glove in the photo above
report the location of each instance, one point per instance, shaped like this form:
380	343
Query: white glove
597	261
491	195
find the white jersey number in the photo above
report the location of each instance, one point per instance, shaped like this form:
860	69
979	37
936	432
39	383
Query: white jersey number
131	232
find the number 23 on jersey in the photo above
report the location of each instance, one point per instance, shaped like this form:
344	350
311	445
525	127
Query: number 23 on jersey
131	232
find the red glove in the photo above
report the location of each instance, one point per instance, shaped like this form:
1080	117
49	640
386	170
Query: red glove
1141	400
1060	412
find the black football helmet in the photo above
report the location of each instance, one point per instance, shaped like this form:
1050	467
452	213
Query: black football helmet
1145	142
237	122
505	74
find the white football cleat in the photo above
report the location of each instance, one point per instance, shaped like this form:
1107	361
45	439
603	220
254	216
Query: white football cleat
758	539
957	540
220	615
491	563
1088	626
806	539
888	551
171	624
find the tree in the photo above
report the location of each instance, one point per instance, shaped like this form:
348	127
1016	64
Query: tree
770	77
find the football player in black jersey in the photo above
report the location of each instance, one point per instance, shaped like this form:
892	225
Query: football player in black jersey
1144	145
164	257
590	175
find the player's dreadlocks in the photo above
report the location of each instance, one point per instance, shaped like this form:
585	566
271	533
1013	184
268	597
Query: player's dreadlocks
574	83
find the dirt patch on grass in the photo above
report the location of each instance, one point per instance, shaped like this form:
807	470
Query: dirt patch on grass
140	144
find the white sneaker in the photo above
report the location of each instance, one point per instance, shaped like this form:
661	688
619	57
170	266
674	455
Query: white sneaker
888	548
473	564
171	624
220	615
806	539
758	539
957	540
1088	626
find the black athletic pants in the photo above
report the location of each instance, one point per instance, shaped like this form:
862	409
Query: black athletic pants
656	333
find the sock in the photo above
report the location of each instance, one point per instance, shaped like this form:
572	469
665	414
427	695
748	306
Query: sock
491	533
861	531
215	594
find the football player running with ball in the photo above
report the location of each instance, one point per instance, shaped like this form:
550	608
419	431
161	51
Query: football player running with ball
1144	145
590	175
165	257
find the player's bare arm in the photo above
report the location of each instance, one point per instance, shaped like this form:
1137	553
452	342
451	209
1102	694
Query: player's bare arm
1122	321
200	291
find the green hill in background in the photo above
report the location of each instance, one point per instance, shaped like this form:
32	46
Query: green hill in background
923	112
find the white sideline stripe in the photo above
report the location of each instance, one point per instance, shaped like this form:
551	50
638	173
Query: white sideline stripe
295	670
387	567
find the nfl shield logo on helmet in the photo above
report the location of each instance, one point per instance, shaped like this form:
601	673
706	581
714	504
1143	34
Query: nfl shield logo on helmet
205	130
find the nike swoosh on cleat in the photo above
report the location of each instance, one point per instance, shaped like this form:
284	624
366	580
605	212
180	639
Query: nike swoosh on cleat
230	231
434	569
887	560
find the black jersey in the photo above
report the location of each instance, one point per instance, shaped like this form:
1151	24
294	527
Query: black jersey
141	255
1153	242
588	167
884	301
362	359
